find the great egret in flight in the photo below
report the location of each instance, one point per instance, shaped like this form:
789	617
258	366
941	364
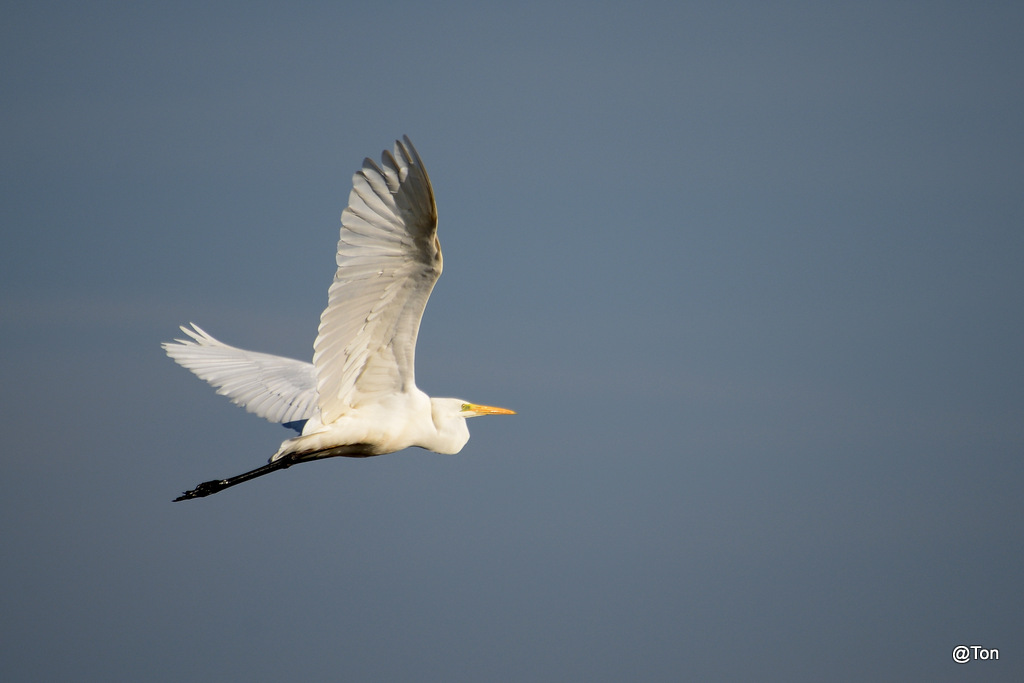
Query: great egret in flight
358	397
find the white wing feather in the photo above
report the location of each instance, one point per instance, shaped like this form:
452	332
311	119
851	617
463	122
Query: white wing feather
275	388
388	261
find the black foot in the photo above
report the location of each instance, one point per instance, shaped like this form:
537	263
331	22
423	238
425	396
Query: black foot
204	489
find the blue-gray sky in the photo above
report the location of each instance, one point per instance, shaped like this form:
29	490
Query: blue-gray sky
752	273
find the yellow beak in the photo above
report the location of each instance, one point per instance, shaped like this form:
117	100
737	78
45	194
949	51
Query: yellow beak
474	410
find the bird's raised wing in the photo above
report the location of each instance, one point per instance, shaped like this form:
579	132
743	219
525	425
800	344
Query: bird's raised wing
276	388
388	261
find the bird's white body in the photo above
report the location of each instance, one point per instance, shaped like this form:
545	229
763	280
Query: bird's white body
358	397
396	422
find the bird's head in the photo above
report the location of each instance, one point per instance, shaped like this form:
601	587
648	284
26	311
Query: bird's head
449	415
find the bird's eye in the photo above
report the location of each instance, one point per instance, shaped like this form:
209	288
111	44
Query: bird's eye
466	406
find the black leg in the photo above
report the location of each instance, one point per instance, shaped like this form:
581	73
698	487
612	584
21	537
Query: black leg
210	487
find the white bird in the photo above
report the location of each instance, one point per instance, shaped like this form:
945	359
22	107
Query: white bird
358	397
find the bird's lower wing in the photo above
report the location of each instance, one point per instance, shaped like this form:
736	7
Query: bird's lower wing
275	388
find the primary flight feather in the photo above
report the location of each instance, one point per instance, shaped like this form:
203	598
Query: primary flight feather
358	397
